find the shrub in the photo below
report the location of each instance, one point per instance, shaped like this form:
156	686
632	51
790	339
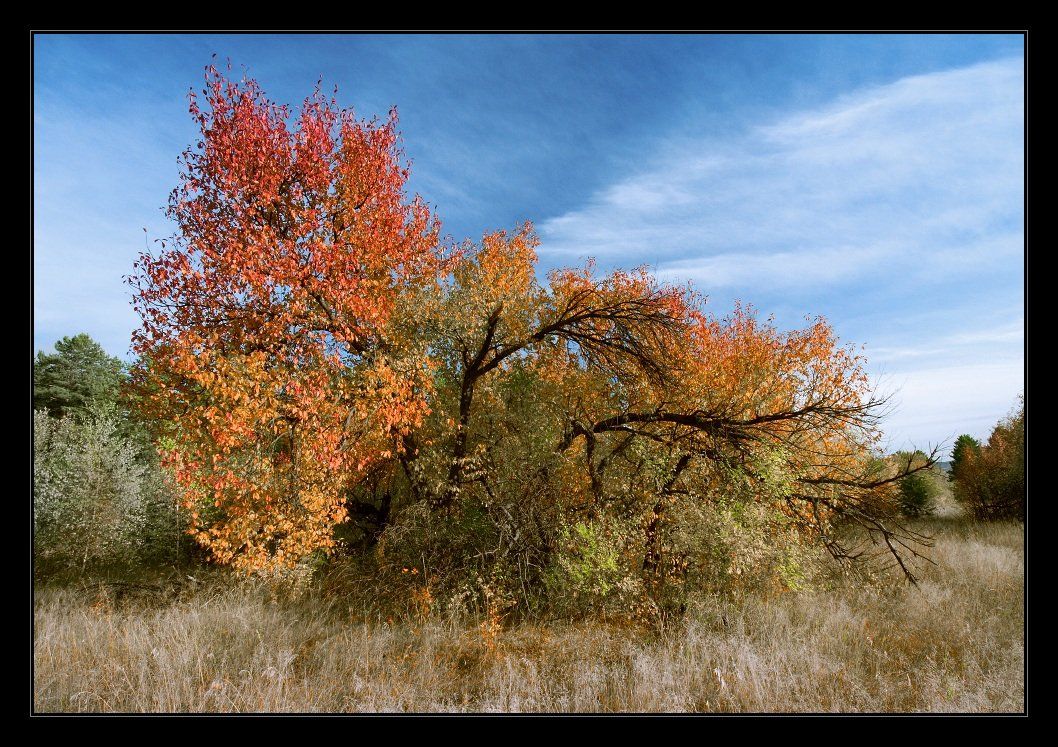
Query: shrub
96	499
737	536
918	495
588	574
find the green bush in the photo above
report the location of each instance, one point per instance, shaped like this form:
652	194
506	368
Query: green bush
97	500
918	495
467	562
588	575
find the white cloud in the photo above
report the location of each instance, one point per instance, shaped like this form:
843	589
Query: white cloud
1005	338
776	269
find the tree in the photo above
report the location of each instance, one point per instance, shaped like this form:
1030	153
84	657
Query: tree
965	446
264	341
640	406
323	367
75	377
918	490
917	495
990	480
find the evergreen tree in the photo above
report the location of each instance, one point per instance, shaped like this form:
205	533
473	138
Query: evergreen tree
78	375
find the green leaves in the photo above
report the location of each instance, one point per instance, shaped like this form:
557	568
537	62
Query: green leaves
76	376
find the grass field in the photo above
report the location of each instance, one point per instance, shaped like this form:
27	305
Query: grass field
953	644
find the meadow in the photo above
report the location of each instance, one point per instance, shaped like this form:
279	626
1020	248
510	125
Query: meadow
954	643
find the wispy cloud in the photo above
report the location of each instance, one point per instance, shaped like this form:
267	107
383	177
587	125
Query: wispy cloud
969	343
776	270
921	164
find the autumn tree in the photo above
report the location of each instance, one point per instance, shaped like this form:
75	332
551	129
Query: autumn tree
960	454
606	412
990	478
264	340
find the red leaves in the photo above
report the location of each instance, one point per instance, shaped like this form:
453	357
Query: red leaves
295	243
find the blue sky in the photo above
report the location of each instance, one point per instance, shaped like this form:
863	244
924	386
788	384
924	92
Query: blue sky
877	180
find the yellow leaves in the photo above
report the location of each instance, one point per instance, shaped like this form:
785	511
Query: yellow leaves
496	278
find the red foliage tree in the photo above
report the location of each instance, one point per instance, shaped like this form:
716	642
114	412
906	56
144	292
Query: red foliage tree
265	321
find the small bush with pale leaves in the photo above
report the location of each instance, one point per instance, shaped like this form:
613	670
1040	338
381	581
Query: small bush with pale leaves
95	501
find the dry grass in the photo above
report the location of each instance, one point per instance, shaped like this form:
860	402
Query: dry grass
953	644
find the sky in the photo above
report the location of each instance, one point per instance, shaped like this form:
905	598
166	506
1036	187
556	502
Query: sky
877	180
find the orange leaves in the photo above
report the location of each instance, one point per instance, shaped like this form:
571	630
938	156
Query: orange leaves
506	265
263	319
498	277
747	369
